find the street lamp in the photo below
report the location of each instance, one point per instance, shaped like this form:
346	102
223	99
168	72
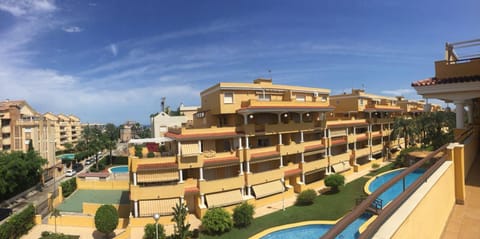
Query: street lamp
156	216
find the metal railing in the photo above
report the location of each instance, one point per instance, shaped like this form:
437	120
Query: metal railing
397	202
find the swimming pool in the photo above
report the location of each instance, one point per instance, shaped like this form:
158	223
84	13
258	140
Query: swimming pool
314	231
396	189
317	230
119	169
67	156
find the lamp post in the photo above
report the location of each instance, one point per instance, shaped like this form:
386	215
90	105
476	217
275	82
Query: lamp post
156	216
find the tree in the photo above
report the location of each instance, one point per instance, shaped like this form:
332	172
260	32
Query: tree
306	197
112	134
335	181
150	230
217	221
106	219
181	229
403	127
56	213
243	214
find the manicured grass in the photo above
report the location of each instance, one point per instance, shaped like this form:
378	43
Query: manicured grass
325	207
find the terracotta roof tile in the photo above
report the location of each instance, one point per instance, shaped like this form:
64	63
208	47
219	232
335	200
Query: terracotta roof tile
265	154
436	81
292	172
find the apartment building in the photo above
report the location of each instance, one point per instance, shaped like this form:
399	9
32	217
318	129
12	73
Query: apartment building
161	121
67	129
22	125
258	141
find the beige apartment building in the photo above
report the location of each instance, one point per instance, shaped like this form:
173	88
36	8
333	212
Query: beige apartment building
68	129
258	142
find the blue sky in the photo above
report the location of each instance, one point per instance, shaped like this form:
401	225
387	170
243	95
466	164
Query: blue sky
112	61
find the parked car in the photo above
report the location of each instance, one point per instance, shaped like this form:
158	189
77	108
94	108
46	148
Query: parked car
77	167
70	173
5	212
88	161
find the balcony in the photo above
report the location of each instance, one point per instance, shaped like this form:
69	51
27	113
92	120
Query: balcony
290	127
376	134
6	141
135	162
251	129
362	152
202	131
261	152
6	129
219	185
339	158
386	132
314	165
263	177
362	136
283	104
27	122
156	192
314	145
377	148
382	120
292	148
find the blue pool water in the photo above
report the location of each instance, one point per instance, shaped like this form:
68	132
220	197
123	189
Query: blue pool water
119	169
397	188
317	230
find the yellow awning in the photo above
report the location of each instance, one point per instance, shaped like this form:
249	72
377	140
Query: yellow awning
267	189
157	176
341	167
148	208
224	198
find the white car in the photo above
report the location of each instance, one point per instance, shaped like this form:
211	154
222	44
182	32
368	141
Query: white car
70	173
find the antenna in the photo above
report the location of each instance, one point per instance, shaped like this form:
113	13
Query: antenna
163	104
270	73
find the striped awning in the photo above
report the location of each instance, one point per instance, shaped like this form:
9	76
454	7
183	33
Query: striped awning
148	208
267	189
157	176
341	167
190	149
224	198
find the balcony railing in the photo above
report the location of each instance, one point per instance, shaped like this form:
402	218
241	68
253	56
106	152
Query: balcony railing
339	158
314	165
263	177
218	185
276	104
156	192
135	162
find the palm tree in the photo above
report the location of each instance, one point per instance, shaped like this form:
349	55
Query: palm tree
403	127
181	228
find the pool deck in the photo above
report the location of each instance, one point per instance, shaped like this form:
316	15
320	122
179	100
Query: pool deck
464	219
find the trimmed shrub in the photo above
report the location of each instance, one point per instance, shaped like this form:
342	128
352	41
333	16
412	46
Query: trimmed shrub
149	231
335	181
306	197
150	154
19	224
69	186
243	214
106	219
217	221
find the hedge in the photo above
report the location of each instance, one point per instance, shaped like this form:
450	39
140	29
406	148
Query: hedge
69	186
18	224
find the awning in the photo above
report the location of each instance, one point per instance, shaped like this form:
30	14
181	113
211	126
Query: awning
148	208
267	189
157	176
224	198
341	167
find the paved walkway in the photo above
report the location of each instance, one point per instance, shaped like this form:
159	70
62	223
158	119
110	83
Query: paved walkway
137	232
464	219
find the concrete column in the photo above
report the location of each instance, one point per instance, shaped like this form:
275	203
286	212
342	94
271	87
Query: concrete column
199	146
459	164
201	173
249	190
202	198
241	168
180	175
280	138
179	149
302	156
240	143
281	161
303	177
245	119
248	166
279	118
301	136
470	112
242	191
135	208
247	144
301	117
134	179
459	111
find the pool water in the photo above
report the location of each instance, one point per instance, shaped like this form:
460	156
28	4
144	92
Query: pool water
119	169
315	231
397	188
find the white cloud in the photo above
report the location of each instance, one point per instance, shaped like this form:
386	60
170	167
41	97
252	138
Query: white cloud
113	48
20	8
399	92
72	29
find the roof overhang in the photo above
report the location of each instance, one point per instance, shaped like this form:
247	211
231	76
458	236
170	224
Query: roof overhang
450	92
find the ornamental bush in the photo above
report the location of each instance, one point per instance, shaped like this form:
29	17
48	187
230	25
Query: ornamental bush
106	219
150	230
243	214
335	181
69	186
18	224
217	221
306	197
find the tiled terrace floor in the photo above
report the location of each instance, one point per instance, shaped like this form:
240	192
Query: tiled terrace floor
464	220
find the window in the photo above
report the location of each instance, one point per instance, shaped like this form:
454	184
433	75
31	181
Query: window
361	101
324	99
228	98
263	97
300	98
265	142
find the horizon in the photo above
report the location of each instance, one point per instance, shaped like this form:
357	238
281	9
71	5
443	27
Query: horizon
113	61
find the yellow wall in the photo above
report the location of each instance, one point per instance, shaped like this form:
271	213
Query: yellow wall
444	70
91	208
431	214
102	185
82	221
